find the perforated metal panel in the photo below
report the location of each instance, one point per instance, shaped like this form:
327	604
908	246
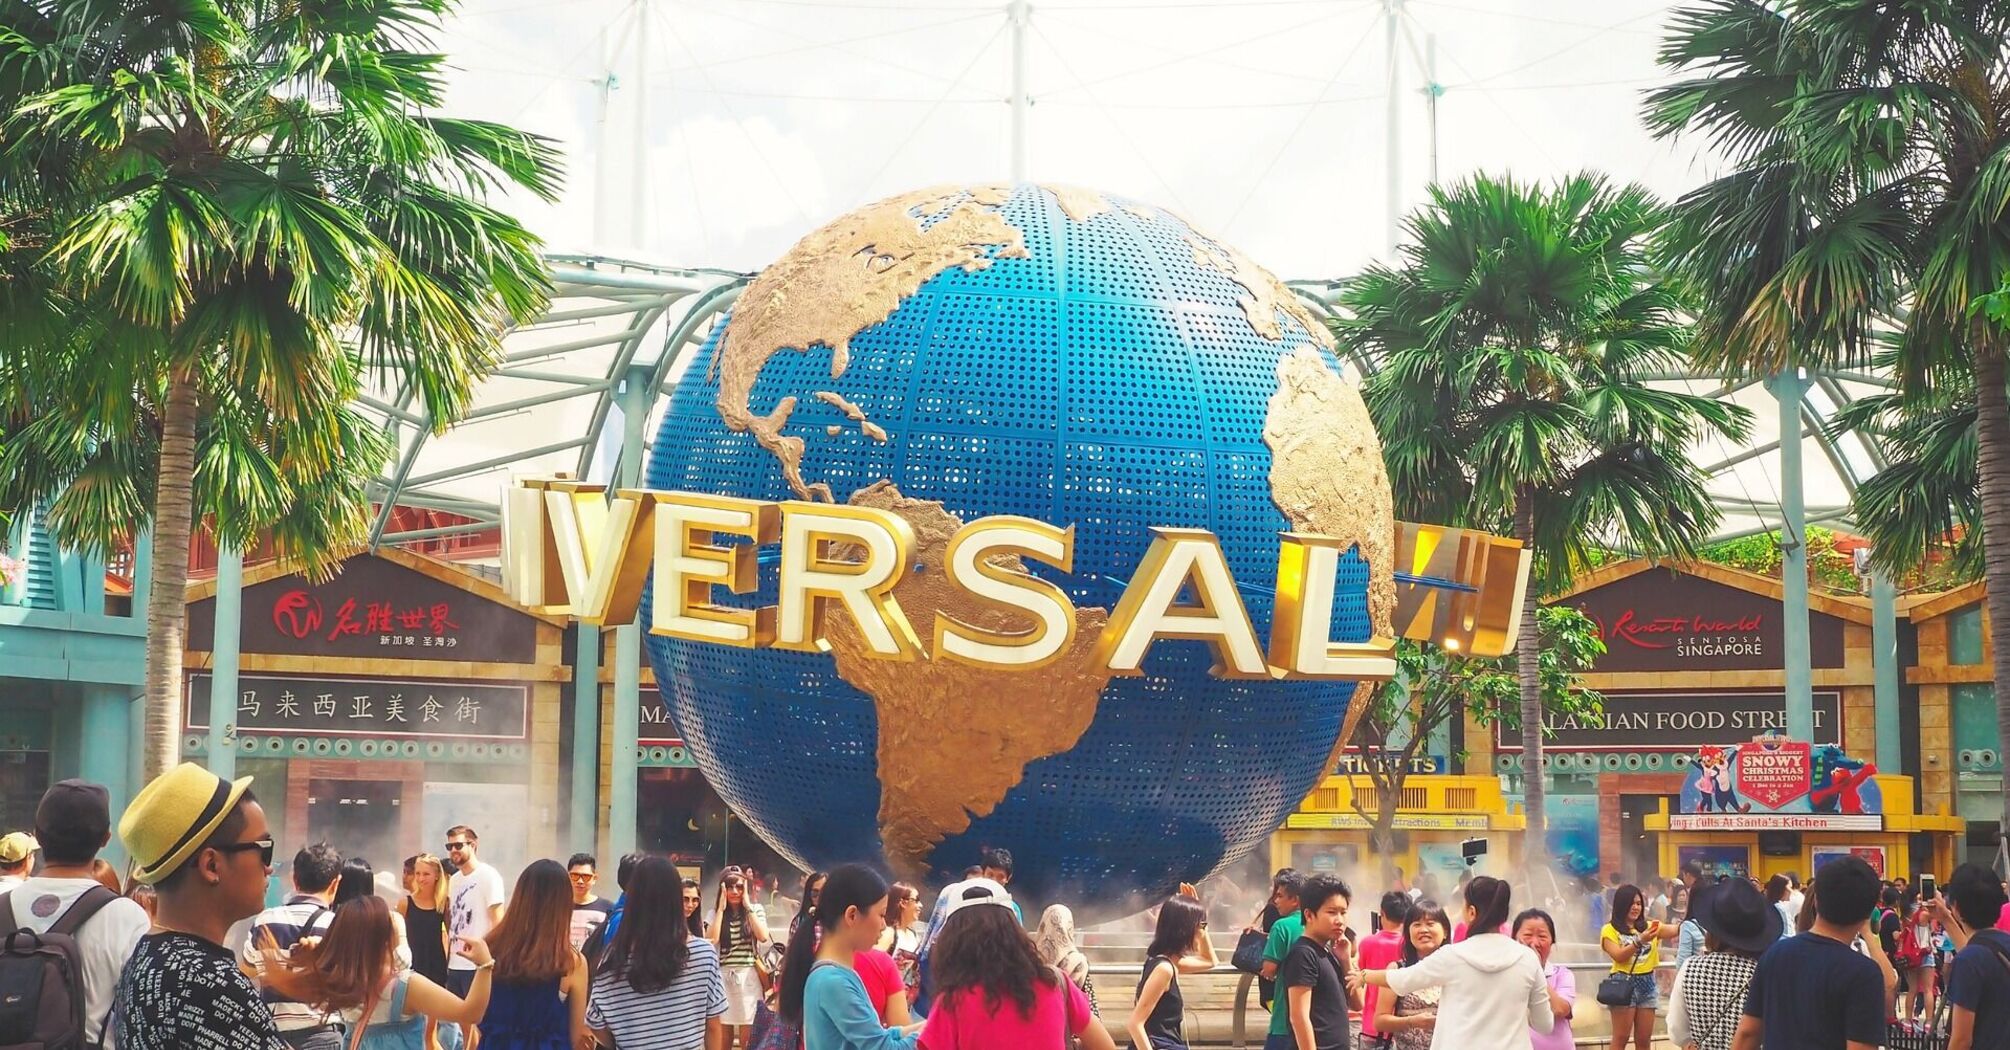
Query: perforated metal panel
1109	382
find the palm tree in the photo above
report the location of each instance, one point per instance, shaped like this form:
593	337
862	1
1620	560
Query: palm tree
220	216
1515	332
1870	188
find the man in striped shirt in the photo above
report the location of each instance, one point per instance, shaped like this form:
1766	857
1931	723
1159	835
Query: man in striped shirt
305	914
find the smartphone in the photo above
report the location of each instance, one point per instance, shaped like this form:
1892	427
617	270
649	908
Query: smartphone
1928	887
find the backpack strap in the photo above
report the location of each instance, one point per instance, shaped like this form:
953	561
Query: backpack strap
91	902
7	923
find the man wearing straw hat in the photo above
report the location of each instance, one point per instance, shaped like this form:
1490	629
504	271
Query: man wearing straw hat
203	843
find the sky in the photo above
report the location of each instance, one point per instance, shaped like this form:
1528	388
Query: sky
1263	121
728	129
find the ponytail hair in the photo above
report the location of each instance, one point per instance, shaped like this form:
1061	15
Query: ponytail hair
1490	900
849	886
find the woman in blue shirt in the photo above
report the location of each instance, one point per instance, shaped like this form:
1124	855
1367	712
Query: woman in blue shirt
820	991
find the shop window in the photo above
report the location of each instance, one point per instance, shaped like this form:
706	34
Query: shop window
1974	717
1982	836
1964	636
24	776
680	816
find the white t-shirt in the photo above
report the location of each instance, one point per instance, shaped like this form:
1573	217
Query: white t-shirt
471	896
106	941
1494	993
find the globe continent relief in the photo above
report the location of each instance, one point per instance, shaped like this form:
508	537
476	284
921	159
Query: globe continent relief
1063	355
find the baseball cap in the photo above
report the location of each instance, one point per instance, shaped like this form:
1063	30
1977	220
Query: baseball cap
971	892
17	846
74	810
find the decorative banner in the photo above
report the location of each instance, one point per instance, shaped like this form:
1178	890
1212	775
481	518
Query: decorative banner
1664	620
1871	855
1572	835
1774	773
1681	721
367	707
373	608
1772	776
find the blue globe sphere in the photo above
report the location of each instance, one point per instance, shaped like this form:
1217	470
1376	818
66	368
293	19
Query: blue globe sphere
1071	357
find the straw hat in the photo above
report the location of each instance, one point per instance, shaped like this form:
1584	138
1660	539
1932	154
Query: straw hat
173	816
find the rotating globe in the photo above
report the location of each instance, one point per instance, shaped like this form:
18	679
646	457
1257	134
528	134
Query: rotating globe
1067	356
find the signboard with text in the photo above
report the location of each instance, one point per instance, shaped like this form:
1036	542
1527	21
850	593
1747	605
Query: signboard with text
368	707
1404	822
1653	720
1773	822
373	608
1771	776
654	717
1663	620
1356	761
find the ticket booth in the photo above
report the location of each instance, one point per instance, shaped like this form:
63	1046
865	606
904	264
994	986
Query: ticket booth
1330	831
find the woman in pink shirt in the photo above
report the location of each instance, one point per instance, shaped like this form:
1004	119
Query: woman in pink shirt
992	990
1536	929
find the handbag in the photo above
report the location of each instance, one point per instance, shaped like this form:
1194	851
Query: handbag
1248	955
1617	987
771	1032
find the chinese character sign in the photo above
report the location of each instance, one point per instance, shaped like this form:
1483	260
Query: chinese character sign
374	608
368	707
1771	774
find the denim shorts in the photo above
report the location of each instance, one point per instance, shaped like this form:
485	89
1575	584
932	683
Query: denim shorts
1646	993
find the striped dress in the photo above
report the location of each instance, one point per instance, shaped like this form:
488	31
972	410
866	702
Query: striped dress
670	1019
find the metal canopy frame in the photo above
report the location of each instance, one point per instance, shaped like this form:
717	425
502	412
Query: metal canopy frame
615	321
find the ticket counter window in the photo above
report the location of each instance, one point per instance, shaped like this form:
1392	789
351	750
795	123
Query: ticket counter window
1719	861
360	816
1326	858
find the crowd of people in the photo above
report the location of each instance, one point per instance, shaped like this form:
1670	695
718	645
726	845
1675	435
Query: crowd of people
185	954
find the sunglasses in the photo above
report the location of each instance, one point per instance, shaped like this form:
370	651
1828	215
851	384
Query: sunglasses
456	847
264	847
581	876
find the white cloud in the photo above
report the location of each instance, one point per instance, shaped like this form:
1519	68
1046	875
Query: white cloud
1262	120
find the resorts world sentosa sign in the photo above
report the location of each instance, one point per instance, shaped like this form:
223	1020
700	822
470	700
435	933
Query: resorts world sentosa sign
569	550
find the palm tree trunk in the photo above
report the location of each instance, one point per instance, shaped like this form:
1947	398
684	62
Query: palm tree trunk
167	609
1528	665
1992	445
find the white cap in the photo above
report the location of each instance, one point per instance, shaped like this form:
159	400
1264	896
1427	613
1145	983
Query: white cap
970	892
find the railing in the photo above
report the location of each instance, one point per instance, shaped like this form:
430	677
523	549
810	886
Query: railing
1587	974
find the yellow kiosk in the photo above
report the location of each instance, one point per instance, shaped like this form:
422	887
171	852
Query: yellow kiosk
1328	832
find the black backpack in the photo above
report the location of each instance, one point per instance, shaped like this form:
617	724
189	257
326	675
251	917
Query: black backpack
42	977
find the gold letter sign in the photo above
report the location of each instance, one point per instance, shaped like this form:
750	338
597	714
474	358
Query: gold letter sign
570	550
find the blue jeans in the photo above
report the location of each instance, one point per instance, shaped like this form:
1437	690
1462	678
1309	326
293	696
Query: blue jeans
1646	994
